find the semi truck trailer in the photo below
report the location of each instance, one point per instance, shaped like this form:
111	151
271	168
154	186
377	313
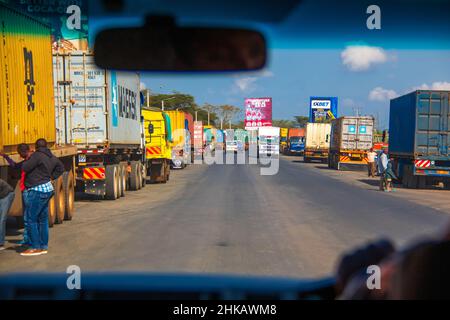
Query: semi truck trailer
351	139
27	108
102	116
317	145
419	137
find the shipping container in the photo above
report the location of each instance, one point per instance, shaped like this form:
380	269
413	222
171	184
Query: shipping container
27	109
351	138
99	111
317	143
102	108
26	87
419	137
296	132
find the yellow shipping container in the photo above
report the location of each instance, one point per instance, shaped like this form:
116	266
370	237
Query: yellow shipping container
27	110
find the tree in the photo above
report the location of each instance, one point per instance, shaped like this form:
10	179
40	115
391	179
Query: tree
301	121
226	113
284	123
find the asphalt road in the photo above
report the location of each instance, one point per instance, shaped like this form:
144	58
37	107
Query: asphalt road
231	219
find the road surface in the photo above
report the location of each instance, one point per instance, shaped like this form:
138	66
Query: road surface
231	219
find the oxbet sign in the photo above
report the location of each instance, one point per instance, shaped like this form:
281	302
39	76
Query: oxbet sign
322	109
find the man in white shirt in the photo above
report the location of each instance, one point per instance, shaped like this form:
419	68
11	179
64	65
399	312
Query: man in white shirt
371	155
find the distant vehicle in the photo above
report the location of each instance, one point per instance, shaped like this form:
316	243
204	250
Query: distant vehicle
317	144
269	141
231	146
296	146
351	138
158	147
419	138
283	139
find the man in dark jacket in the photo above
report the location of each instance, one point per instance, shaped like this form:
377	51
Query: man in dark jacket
6	200
40	169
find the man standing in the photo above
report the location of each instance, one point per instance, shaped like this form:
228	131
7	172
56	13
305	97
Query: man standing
40	169
6	200
371	155
382	166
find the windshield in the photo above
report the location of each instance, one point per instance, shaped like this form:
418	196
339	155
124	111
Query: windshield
144	181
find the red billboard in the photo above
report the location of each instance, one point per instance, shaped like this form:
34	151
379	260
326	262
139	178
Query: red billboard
258	112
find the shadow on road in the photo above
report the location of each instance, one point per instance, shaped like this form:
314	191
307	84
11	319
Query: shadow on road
371	182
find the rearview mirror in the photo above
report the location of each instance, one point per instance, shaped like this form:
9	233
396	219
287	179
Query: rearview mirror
162	46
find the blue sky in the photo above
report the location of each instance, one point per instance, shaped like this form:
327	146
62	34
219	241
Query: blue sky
362	77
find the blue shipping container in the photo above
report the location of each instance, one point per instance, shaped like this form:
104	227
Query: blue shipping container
419	125
321	107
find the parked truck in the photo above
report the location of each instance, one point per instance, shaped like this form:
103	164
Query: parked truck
27	108
351	139
158	144
317	145
181	147
269	141
101	110
283	139
296	141
419	138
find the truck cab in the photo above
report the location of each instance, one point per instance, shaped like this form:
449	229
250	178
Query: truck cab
296	145
158	149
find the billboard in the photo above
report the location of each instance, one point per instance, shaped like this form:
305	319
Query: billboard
323	108
67	18
258	112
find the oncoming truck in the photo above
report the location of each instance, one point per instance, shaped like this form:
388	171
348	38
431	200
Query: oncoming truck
317	143
102	111
27	110
351	139
419	138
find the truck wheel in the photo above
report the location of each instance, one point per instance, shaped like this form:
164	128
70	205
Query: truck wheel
69	191
168	173
155	172
144	176
112	182
60	201
51	211
134	176
123	179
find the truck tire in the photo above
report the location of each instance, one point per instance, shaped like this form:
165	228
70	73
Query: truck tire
112	182
168	173
69	191
123	179
134	176
60	201
144	175
51	211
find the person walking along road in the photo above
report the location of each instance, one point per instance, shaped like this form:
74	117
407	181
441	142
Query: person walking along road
6	200
40	169
371	166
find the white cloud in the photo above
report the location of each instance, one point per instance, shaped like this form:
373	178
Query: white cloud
361	58
381	94
434	86
347	102
246	84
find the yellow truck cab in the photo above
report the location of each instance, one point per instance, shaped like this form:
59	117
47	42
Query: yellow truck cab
158	146
283	139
